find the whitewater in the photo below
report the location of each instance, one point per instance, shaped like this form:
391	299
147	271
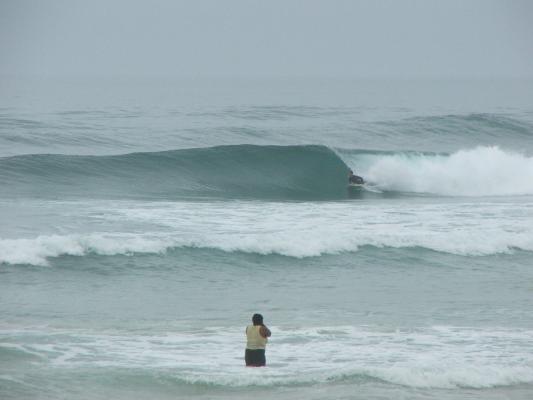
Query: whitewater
267	172
288	229
140	232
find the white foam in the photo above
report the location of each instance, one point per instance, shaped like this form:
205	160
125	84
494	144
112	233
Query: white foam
37	251
290	229
483	171
435	357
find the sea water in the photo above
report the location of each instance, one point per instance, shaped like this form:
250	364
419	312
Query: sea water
144	221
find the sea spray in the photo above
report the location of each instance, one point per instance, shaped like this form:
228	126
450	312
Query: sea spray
481	171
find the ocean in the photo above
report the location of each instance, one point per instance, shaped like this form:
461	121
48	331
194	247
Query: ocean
144	221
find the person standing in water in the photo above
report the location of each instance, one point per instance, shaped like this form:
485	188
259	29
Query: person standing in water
256	339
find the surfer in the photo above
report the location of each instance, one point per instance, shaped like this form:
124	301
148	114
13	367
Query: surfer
354	179
256	339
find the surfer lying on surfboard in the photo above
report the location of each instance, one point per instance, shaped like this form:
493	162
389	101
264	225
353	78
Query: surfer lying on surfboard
354	179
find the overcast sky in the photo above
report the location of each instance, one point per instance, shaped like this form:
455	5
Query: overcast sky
448	38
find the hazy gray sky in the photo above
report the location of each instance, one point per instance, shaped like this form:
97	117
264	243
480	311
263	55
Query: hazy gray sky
448	38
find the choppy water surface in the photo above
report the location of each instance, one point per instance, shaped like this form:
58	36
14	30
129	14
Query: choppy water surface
143	224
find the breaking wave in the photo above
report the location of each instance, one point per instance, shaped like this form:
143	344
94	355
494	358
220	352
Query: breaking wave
309	172
39	251
481	171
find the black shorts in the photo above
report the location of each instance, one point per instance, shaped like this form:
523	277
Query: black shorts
255	358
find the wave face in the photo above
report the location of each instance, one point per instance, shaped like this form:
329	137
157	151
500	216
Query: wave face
243	171
266	172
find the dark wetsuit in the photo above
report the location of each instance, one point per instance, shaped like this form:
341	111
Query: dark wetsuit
354	179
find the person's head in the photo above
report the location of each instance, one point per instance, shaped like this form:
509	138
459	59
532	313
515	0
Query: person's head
257	319
350	173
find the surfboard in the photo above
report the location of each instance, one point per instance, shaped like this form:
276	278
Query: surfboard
363	186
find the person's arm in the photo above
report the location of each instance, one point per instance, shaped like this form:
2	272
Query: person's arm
264	331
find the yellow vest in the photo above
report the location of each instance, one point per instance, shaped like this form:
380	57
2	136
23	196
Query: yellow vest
254	340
